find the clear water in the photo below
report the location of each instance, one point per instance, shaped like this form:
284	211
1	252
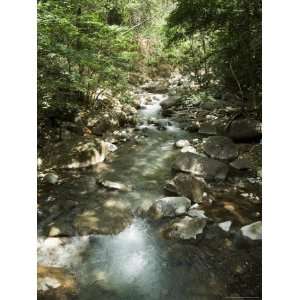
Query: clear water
138	263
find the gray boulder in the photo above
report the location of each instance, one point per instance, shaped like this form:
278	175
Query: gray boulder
220	147
184	228
244	130
252	231
170	102
186	185
169	207
207	168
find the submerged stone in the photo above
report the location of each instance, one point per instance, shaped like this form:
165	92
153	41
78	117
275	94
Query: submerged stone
116	186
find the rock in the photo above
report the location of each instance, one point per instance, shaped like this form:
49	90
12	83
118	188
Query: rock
170	102
169	207
186	185
115	186
197	213
244	130
184	228
182	143
207	130
105	123
54	231
51	178
111	147
39	162
87	154
225	225
60	229
241	164
207	168
252	231
188	149
220	147
55	283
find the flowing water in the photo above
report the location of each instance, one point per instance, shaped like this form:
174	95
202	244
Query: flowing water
138	263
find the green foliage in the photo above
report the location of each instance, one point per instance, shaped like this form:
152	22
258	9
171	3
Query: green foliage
79	52
220	42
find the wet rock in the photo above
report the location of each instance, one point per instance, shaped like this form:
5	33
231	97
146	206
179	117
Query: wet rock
225	225
244	130
220	147
55	283
51	178
241	164
63	252
169	207
112	185
252	231
184	228
111	147
190	149
188	186
182	143
170	102
195	212
207	168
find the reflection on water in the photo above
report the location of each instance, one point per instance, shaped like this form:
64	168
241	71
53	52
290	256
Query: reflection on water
127	264
136	264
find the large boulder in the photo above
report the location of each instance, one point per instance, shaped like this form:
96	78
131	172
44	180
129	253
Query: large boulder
186	185
245	130
169	207
204	167
170	102
220	147
88	154
184	228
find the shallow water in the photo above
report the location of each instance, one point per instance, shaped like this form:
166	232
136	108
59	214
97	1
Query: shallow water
137	263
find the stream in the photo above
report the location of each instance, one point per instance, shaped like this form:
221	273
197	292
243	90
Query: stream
138	263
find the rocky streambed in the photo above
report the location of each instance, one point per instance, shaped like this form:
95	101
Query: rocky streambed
160	210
